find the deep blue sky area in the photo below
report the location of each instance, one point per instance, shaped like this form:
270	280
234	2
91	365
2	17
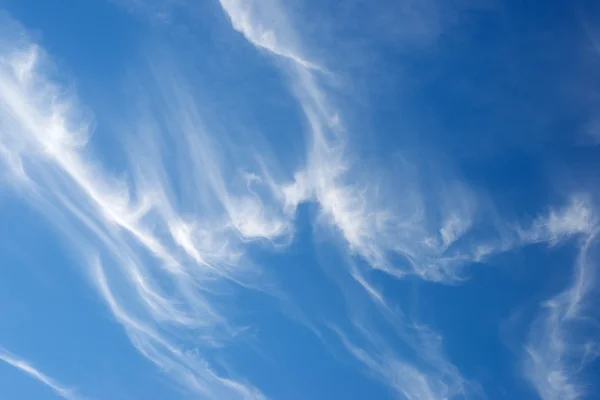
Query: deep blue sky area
269	199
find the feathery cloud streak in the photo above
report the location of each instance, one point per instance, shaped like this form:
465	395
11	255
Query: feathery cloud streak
370	230
44	133
22	365
561	341
375	232
168	238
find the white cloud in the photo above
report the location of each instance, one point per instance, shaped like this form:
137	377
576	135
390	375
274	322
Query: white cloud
163	266
560	346
378	226
24	366
425	233
196	234
262	24
374	225
186	366
576	218
439	380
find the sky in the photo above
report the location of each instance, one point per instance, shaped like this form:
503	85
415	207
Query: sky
270	199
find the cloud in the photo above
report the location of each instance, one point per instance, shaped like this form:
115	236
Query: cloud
187	366
167	240
266	34
162	267
439	380
24	366
392	230
351	200
430	235
576	218
561	342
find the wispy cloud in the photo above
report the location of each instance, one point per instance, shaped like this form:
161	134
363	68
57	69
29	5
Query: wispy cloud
24	366
263	24
424	236
576	218
166	254
374	222
194	255
561	341
436	380
373	227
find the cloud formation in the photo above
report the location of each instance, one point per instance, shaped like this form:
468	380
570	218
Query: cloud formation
22	365
167	240
562	342
374	231
116	225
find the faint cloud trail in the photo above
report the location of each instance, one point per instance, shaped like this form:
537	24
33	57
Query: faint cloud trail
164	270
22	365
117	227
558	349
370	231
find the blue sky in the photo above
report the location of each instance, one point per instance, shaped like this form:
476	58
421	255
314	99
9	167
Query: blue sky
261	199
